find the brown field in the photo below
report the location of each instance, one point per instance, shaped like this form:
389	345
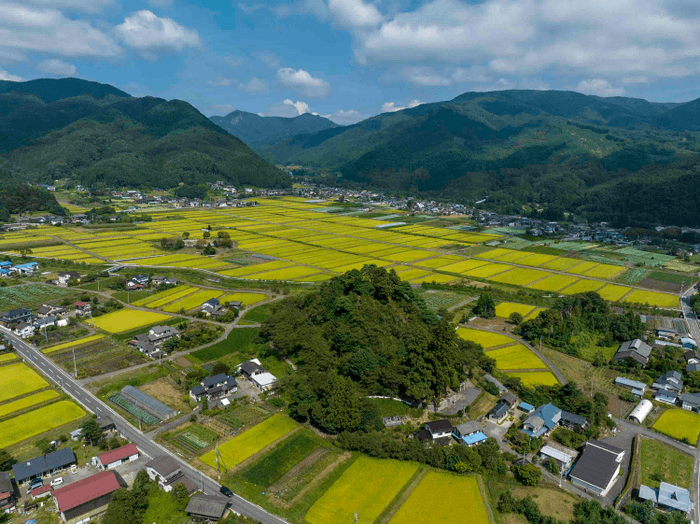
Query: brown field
97	358
658	285
167	393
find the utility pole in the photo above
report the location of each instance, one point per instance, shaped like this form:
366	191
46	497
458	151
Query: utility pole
75	365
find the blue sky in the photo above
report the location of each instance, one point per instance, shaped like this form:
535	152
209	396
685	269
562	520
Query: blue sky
350	59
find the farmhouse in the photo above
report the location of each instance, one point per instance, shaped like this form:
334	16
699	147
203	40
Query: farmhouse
49	310
208	508
7	491
214	387
82	308
44	465
637	388
167	472
87	498
25	269
17	315
635	350
598	467
670	381
561	454
159	334
439	431
668	496
116	457
498	413
690	401
666	396
257	375
24	330
469	433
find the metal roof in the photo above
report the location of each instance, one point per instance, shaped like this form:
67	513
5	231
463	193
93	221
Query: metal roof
474	438
209	506
674	497
120	453
39	465
596	467
565	458
647	493
622	381
85	490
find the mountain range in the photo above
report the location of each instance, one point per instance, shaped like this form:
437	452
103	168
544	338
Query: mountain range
258	131
98	134
612	159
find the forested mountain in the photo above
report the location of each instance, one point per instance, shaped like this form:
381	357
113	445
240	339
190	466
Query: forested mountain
258	131
617	159
98	134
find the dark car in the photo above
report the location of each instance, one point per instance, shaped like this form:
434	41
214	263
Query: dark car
226	491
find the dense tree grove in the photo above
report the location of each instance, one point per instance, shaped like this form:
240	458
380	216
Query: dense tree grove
365	332
574	315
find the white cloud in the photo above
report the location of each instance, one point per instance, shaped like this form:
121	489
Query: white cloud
219	81
345	118
24	29
149	34
425	76
254	85
354	13
600	87
288	109
89	6
301	80
56	67
270	58
388	107
4	75
594	39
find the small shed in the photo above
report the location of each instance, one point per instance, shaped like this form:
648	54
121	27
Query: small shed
641	411
206	507
527	408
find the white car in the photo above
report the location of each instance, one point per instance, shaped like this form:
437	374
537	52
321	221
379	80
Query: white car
56	482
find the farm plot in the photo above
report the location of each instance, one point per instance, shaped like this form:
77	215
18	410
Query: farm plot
126	319
194	438
433	278
162	294
366	488
35	422
505	309
241	416
290	273
463	266
442	497
515	357
29	295
28	401
535	378
652	298
660	461
250	442
486	339
72	343
553	282
7	357
613	293
519	276
129	407
562	264
488	270
192	301
582	286
247	299
280	460
605	271
17	380
183	292
679	424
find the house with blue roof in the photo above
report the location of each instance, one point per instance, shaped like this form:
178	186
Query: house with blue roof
542	421
25	269
668	496
469	433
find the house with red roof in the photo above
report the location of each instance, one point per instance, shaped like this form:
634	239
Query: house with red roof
87	498
41	491
117	457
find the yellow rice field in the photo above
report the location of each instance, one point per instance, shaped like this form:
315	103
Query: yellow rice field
35	422
485	338
612	292
248	299
126	320
515	357
519	276
28	401
535	378
17	380
192	301
72	343
553	282
505	309
653	298
582	286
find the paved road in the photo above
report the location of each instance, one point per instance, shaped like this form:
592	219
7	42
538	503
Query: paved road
32	355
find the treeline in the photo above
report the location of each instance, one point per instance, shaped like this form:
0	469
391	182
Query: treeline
16	197
585	313
366	332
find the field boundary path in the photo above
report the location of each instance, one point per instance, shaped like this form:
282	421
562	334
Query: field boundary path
143	442
554	369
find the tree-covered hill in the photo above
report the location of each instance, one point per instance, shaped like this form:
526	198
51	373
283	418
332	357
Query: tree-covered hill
366	332
596	157
258	131
98	134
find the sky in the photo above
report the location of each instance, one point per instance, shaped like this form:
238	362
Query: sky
351	59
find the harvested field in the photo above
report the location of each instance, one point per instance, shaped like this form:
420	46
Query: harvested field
659	285
167	393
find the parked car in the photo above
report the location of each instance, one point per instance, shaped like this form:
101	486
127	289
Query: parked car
56	482
226	491
35	483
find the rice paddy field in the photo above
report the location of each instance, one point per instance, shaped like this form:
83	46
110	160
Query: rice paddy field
19	379
515	357
367	487
126	320
27	402
248	443
485	338
442	497
35	422
287	239
505	309
535	378
679	424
